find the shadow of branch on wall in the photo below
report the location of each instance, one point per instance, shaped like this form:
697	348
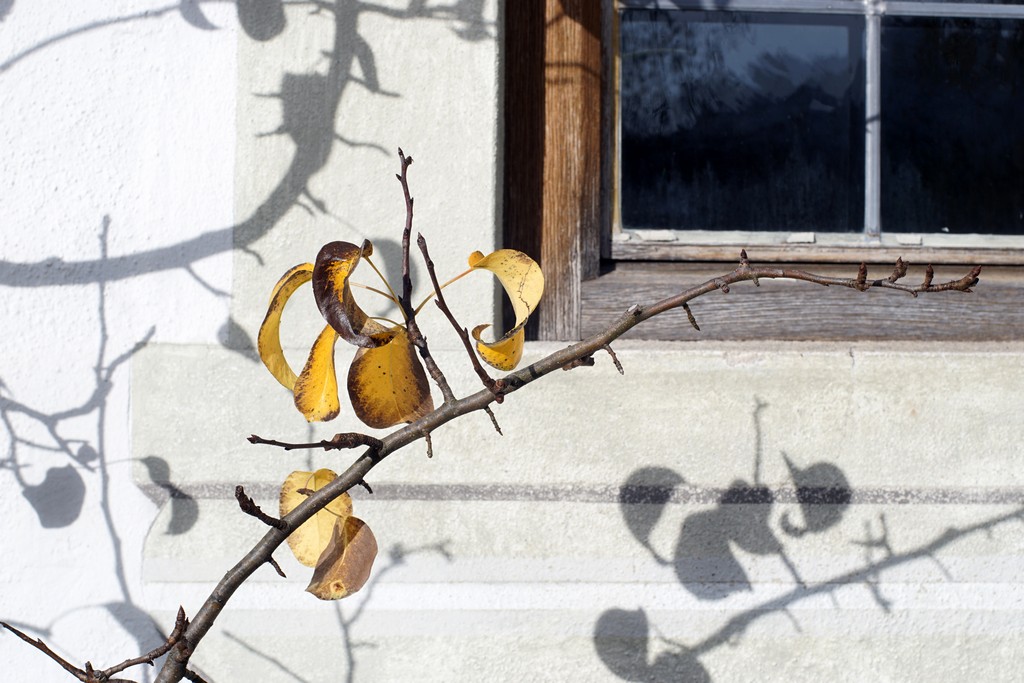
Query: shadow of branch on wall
310	102
623	638
708	566
397	556
58	498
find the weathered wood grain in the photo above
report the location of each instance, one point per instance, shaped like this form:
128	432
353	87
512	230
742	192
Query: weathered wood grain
800	311
553	136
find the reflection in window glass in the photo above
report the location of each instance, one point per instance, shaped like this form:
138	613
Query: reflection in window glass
952	125
741	121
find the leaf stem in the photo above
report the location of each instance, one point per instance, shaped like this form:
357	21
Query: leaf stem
384	294
434	294
393	297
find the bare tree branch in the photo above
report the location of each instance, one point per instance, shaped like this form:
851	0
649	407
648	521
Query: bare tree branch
174	667
91	675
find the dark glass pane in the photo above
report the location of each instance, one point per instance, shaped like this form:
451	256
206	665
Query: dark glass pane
744	121
952	125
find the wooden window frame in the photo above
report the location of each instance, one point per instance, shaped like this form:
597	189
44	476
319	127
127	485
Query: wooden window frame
558	201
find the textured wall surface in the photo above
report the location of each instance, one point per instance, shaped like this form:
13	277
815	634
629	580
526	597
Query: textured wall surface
722	512
115	230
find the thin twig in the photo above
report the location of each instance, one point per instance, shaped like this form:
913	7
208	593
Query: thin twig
689	316
273	563
90	674
41	646
459	329
180	624
615	359
194	677
249	507
336	443
412	327
494	420
403	178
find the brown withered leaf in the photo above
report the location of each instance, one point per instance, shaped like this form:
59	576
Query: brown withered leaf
334	264
345	564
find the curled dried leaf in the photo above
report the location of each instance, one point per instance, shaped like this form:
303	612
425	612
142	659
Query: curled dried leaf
503	354
344	566
334	265
269	341
387	384
523	282
314	535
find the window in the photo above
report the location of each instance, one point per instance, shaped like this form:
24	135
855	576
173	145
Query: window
648	141
740	121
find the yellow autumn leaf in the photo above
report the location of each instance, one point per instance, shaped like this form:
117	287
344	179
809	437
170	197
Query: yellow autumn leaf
387	384
316	389
524	284
269	340
344	566
334	265
503	354
314	535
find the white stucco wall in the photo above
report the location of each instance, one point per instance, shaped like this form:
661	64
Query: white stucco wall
210	157
118	113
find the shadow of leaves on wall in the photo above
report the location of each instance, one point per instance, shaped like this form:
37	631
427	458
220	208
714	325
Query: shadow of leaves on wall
261	20
623	639
184	508
709	569
823	494
705	558
58	499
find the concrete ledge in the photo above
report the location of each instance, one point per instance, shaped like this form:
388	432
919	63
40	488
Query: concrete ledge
812	510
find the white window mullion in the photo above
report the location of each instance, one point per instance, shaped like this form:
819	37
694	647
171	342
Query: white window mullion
872	122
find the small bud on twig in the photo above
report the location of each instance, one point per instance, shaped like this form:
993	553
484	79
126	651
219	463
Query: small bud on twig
862	277
899	271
